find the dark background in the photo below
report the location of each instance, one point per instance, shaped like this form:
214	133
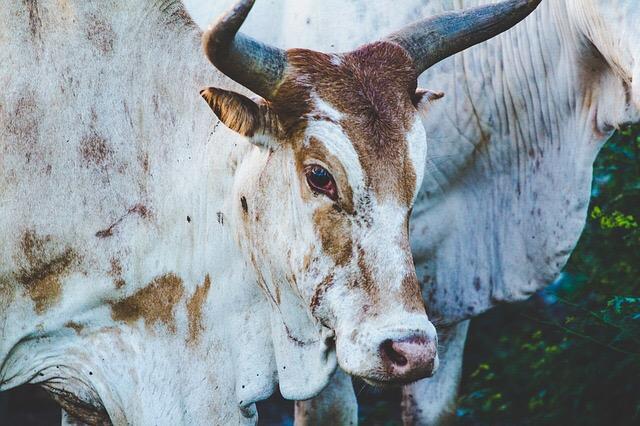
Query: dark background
568	356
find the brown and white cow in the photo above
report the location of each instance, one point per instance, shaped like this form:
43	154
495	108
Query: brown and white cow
510	161
159	269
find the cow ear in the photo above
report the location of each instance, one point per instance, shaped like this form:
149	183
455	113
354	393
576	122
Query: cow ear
424	98
255	120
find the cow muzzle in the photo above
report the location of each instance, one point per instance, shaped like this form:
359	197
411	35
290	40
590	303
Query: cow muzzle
389	356
409	359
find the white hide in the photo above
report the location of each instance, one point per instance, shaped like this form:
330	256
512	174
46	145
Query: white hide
124	77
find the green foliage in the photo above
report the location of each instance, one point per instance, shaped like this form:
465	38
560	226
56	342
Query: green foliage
571	355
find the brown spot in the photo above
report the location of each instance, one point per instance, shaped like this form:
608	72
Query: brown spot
116	273
35	23
410	294
319	293
194	310
75	326
95	150
334	229
139	209
100	33
366	282
45	266
153	303
23	123
243	202
220	217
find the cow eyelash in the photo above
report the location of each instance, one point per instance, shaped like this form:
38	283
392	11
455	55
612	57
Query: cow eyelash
320	181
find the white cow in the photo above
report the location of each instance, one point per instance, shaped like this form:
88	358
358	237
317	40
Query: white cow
508	176
157	268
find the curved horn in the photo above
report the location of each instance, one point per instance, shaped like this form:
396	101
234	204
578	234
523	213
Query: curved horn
249	62
433	39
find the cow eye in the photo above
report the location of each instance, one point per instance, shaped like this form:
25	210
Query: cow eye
320	181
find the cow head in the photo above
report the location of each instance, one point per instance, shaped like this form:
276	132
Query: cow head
325	197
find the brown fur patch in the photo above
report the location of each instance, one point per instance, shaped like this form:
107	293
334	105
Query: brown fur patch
334	229
154	303
410	293
194	309
44	267
367	282
319	293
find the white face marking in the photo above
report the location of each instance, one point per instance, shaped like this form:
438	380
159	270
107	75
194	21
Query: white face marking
338	144
417	141
326	108
336	60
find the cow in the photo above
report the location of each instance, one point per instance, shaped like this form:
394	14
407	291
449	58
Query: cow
161	267
509	169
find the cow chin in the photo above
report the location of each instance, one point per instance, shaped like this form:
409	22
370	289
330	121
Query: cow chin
387	354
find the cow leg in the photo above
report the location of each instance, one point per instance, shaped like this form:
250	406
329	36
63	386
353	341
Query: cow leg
433	401
335	405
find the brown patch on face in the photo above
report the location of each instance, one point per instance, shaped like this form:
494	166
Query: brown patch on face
366	281
43	270
410	294
319	293
100	33
334	229
373	87
194	310
154	303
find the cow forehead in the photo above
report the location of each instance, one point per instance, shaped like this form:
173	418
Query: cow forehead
368	93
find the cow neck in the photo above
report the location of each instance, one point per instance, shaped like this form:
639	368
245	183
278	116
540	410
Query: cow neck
513	141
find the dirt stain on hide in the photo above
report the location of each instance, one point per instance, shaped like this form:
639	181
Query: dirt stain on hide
138	209
95	150
154	303
22	122
44	268
100	33
194	310
116	273
35	22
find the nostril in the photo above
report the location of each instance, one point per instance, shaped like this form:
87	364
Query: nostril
394	356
